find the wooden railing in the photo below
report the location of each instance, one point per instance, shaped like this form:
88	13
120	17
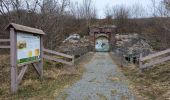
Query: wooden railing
54	58
154	59
4	46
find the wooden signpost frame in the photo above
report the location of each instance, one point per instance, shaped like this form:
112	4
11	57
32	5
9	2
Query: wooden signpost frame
16	76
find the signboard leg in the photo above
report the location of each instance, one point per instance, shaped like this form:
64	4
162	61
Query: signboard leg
14	84
41	62
40	65
21	74
13	61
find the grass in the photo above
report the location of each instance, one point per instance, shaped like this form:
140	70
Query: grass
92	80
152	83
113	92
114	79
101	96
64	96
87	97
56	78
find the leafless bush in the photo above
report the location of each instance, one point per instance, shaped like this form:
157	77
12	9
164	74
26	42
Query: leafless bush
56	17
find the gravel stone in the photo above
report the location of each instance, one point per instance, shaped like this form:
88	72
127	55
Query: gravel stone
101	81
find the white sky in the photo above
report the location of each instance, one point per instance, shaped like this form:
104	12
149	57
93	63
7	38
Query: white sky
102	4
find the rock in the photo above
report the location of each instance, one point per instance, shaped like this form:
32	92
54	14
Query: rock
131	45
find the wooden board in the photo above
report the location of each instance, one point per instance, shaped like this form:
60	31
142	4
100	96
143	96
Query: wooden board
4	40
57	60
57	53
13	60
158	61
20	76
4	47
155	55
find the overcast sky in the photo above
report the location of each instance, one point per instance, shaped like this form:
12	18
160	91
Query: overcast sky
101	4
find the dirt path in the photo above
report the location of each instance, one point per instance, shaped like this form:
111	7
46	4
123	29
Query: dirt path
101	81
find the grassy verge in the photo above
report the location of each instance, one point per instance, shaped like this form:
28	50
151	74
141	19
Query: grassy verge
56	78
152	84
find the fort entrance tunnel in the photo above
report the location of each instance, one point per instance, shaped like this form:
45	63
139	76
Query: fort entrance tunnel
102	44
103	38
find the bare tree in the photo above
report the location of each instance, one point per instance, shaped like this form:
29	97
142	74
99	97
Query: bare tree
53	16
137	11
89	11
108	15
50	15
161	22
108	11
121	15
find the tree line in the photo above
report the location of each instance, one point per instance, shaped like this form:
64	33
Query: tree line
59	18
152	23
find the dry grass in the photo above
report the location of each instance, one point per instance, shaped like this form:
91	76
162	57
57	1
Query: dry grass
152	84
56	78
114	79
101	96
114	92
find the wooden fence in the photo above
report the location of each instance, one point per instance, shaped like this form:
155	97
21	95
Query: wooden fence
67	59
45	56
16	73
153	59
4	46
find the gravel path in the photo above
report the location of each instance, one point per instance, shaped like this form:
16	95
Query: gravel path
101	81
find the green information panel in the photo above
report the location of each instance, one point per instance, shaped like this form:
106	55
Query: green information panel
28	48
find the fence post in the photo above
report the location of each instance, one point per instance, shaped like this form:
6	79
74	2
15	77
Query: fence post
13	61
73	60
41	54
140	62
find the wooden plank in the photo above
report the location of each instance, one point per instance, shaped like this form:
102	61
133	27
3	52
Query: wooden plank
4	47
23	28
140	62
158	61
20	76
40	64
155	55
4	40
57	60
36	67
73	61
13	61
57	53
27	63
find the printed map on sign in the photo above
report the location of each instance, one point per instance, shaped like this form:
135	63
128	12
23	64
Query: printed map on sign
28	48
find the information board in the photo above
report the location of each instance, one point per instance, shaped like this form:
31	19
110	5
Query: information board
28	48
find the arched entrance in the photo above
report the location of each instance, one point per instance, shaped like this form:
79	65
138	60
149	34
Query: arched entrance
102	44
103	38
